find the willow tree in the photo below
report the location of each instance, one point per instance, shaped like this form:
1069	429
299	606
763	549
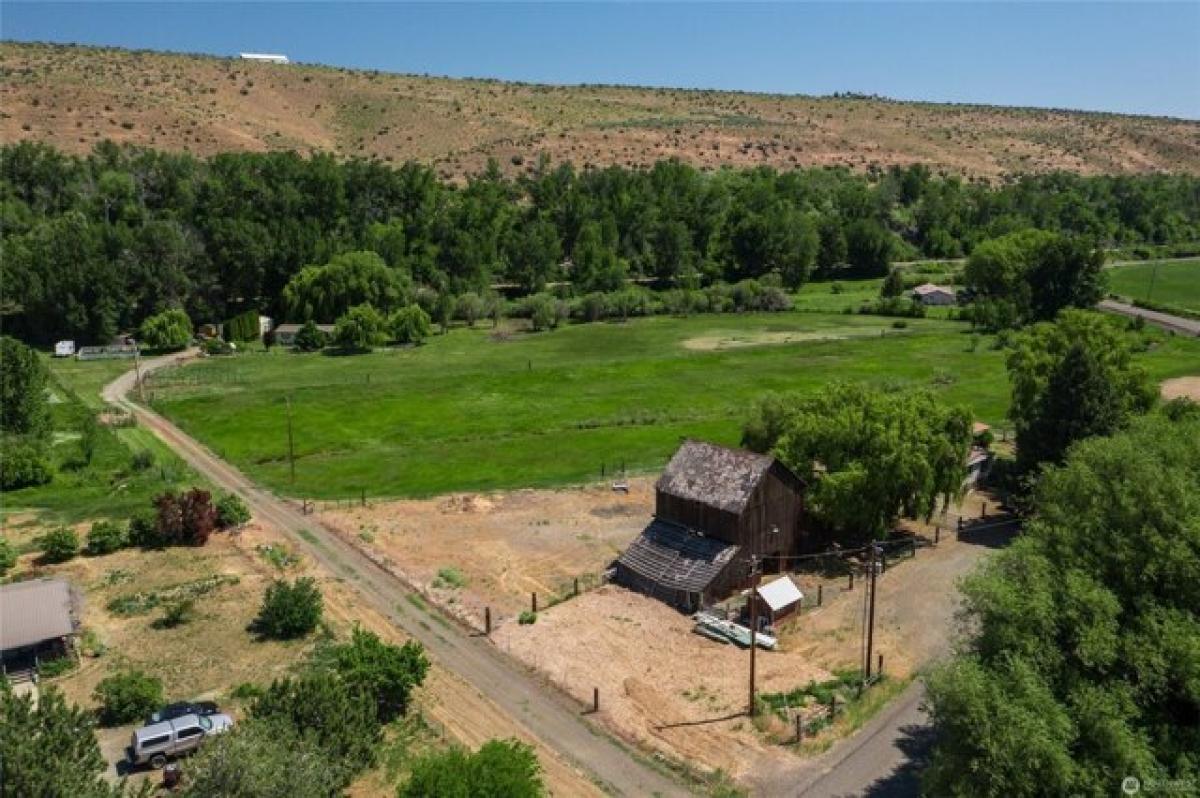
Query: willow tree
870	456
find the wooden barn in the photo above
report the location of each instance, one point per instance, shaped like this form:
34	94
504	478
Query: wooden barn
716	508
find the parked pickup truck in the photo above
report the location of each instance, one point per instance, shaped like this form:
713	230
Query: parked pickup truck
157	742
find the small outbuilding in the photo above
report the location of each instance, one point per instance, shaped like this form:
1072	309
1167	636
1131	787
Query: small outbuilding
64	349
37	622
780	598
930	294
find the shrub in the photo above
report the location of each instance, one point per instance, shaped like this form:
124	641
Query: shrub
410	325
127	697
330	714
215	346
894	306
290	610
185	519
22	466
243	327
59	545
385	673
527	617
177	614
469	308
143	530
8	556
310	338
232	511
105	537
142	460
361	328
500	767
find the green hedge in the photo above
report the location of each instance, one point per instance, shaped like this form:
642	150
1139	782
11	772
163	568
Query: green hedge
243	327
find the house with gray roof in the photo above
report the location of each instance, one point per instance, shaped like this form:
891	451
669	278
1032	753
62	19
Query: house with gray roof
38	620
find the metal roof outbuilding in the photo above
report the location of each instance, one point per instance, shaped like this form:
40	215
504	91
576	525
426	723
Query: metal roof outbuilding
33	612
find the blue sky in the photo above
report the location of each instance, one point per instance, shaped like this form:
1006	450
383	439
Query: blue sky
1135	57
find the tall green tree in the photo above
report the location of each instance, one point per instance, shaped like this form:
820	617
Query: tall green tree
1071	379
49	749
261	758
1082	644
870	456
323	293
24	408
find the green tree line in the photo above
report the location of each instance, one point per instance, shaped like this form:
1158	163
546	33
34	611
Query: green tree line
94	245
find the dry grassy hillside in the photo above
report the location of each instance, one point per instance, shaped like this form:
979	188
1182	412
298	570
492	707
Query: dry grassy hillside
75	96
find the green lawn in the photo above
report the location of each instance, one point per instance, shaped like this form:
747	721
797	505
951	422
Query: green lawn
468	411
110	486
1177	283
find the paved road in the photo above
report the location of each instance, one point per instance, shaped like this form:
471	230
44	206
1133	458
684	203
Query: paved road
883	760
552	717
1165	320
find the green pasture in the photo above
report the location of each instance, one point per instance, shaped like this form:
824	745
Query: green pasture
476	410
111	485
1169	283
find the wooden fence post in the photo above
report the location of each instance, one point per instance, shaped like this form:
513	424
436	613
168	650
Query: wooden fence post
595	699
487	620
820	592
879	670
533	598
799	728
851	580
937	534
577	586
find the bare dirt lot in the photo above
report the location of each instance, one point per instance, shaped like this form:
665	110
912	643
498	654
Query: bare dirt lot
662	687
1185	387
469	551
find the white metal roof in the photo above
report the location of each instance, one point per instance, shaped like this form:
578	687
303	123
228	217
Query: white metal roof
780	593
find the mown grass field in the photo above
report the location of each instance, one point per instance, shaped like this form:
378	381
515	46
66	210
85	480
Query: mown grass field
1177	283
475	411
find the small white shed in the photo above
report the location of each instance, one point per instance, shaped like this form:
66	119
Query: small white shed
781	598
64	349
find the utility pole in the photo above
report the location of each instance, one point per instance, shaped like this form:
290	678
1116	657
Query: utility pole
291	440
875	550
754	577
137	370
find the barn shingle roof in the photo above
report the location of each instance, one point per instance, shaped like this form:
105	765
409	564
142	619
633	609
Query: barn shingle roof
676	558
714	475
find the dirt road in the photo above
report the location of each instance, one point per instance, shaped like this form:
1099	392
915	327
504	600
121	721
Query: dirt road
1165	320
551	717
